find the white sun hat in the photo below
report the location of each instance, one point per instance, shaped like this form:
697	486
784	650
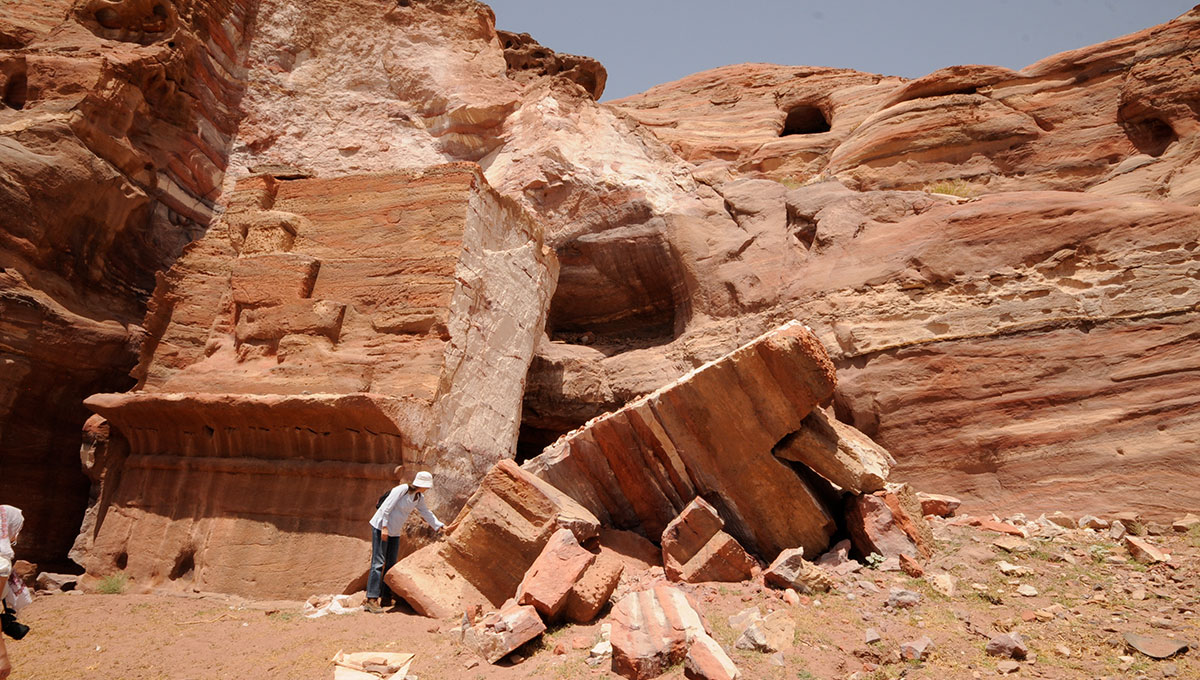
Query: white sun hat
423	480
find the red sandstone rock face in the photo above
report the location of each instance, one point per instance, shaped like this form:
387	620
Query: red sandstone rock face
115	125
1111	119
331	328
1050	372
967	331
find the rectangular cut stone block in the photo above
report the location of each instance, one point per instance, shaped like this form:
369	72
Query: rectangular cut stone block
496	635
709	433
594	588
416	296
555	571
721	559
652	630
492	543
687	535
273	279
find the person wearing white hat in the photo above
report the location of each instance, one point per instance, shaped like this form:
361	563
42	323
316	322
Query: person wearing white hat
389	518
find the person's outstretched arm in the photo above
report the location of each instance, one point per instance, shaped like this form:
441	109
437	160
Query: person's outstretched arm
430	518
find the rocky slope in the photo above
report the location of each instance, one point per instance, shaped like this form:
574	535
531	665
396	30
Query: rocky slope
1029	344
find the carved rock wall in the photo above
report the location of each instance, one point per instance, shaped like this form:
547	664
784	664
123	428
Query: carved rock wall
323	331
115	123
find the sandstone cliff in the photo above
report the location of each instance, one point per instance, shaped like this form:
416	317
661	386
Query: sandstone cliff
1028	341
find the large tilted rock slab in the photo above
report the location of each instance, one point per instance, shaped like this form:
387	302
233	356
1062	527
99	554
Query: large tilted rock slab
492	543
322	332
709	433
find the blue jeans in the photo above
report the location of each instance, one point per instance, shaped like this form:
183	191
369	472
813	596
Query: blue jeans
382	559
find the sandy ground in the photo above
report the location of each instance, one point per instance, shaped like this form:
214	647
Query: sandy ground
1088	595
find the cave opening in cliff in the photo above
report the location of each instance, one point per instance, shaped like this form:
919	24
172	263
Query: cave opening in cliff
185	565
16	92
1151	136
805	119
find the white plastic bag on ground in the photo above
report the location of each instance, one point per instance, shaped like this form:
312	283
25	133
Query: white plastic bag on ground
320	605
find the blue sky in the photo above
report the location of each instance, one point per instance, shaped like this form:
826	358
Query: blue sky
646	42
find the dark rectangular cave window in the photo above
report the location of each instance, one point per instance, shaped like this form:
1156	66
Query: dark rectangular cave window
804	120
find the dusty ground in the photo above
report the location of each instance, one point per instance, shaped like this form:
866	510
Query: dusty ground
1089	594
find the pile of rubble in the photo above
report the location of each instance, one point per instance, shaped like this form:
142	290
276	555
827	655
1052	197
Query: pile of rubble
732	464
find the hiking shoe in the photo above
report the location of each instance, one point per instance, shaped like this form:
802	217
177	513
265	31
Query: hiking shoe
372	607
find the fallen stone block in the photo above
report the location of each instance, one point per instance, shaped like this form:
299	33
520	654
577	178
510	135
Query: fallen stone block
498	633
1117	530
490	546
1186	523
721	559
56	583
791	570
889	523
837	452
1143	551
696	550
594	588
554	573
916	650
1008	645
1063	520
687	534
1093	522
704	435
771	633
937	505
652	630
706	660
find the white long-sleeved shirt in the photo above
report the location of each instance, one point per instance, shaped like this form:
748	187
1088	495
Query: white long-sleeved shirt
396	508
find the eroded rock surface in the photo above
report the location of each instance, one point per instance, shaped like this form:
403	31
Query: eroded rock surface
330	329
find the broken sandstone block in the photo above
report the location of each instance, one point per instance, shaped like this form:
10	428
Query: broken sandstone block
708	433
937	504
706	660
837	452
490	545
1143	551
889	523
554	573
695	549
594	588
652	630
791	570
500	632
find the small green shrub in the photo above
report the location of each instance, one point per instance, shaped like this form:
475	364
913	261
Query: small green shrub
874	560
113	584
952	187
